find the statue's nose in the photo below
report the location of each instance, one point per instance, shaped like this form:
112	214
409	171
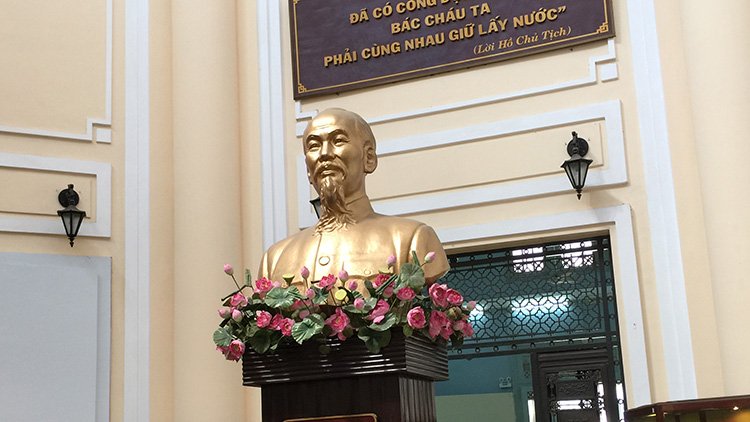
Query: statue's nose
326	150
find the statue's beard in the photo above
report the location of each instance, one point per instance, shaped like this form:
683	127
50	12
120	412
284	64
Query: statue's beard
336	214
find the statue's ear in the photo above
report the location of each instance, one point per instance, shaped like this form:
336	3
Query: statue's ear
371	158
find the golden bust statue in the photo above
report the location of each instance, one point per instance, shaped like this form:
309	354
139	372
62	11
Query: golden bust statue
339	152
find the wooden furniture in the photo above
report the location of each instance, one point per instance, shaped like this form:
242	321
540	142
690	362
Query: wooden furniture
734	408
395	384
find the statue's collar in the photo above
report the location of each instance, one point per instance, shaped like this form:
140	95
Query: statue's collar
360	207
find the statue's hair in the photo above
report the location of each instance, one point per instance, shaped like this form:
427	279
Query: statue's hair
360	124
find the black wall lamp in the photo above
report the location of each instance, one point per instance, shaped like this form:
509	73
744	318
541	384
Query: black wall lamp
71	216
577	167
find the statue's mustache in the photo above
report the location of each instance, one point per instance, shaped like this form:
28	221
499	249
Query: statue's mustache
327	166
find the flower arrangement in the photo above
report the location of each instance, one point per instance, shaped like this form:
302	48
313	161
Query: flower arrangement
263	314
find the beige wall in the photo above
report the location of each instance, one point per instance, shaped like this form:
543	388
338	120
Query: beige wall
62	121
206	188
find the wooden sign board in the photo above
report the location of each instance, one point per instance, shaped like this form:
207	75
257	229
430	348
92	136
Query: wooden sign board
342	45
368	417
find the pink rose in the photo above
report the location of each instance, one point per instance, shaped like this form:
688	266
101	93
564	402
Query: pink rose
359	303
454	297
304	272
236	350
352	285
380	279
471	305
463	327
238	300
391	261
338	321
224	350
388	292
225	312
285	326
415	317
262	318
405	293
438	294
378	313
263	285
440	324
327	281
276	322
237	315
228	269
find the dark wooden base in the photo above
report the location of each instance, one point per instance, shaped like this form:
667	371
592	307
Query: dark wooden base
393	398
395	384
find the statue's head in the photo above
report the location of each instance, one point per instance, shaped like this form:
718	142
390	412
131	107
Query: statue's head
339	151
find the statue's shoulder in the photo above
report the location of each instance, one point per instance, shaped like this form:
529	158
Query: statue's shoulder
398	224
300	238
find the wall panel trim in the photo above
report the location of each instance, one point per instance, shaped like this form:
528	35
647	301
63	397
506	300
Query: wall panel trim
102	227
97	129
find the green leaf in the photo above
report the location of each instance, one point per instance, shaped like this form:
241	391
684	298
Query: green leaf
250	330
386	324
408	331
279	297
377	341
261	341
324	349
307	328
370	288
364	333
415	258
411	275
222	337
321	297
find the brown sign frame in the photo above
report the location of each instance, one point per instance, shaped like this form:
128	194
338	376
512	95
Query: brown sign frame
312	78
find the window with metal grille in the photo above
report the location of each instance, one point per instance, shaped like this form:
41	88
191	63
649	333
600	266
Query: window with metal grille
550	295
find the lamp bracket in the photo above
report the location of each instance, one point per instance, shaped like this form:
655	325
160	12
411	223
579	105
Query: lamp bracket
68	197
577	146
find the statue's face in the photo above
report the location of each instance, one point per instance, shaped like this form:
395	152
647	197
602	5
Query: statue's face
334	148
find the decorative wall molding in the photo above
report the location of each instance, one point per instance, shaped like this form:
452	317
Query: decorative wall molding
271	122
102	227
662	207
605	64
136	382
613	172
97	129
627	284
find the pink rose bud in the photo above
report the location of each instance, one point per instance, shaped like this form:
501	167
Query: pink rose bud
237	315
391	261
343	275
352	285
304	272
225	312
471	305
359	303
228	269
429	257
310	293
304	314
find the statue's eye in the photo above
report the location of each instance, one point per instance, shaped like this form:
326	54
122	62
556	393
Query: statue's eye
313	144
340	140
